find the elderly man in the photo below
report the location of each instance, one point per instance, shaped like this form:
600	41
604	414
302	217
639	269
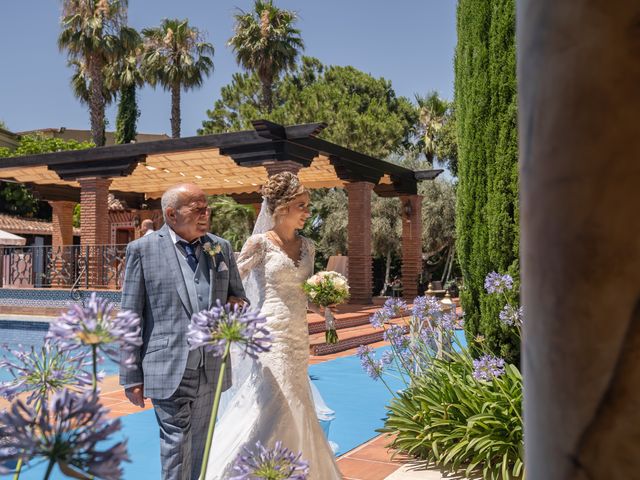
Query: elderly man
170	274
146	227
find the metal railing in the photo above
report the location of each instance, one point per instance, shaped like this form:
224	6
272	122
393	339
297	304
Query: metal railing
70	266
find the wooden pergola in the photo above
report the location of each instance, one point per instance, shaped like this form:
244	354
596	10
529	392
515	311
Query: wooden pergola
234	164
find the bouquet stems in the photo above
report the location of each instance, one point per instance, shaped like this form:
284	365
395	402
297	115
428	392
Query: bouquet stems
330	334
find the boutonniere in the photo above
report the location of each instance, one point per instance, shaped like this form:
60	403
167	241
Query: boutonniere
212	249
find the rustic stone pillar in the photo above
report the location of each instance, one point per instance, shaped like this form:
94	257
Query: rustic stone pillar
359	241
94	223
411	244
579	148
283	166
61	267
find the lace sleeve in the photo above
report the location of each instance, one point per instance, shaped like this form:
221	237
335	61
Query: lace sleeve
252	254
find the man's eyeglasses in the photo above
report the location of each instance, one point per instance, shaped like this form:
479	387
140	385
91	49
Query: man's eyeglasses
199	211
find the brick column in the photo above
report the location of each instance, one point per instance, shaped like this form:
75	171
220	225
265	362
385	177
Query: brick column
359	241
62	223
94	222
283	166
61	242
411	244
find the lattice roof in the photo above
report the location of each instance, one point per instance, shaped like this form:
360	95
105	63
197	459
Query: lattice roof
231	163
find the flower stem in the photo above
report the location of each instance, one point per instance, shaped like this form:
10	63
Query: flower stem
94	353
49	469
16	474
214	412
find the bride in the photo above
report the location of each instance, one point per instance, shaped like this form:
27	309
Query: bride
271	398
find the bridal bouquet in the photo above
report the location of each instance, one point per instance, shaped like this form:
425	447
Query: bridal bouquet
324	289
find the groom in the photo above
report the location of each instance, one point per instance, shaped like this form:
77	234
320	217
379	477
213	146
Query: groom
171	274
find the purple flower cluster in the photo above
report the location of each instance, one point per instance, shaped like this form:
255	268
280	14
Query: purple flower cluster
426	307
447	321
65	431
96	326
511	315
396	336
222	325
393	307
496	283
276	464
488	367
43	372
373	367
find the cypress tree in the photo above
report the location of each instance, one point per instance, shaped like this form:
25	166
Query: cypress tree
487	200
128	114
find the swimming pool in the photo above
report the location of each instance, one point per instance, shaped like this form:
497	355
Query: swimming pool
24	334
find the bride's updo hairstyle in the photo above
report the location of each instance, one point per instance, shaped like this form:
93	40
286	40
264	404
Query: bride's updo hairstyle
281	189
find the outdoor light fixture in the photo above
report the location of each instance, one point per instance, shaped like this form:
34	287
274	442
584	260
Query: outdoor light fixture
408	209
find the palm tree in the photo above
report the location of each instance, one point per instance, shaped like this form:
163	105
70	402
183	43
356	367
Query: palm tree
176	57
432	111
92	31
266	43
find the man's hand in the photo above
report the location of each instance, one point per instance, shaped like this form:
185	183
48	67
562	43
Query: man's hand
135	396
236	301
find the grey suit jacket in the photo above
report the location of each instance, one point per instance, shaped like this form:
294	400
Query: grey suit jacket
154	288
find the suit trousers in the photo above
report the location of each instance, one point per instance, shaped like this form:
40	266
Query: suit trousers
184	419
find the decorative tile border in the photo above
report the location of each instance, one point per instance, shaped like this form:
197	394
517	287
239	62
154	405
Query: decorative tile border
49	297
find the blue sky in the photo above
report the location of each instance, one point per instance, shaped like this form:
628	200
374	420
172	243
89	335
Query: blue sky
410	42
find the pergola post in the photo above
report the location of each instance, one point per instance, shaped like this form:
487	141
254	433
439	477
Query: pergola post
580	253
411	244
282	166
61	241
359	241
62	223
94	223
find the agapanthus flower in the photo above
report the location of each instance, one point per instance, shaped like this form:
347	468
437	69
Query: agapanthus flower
425	307
278	463
488	367
98	327
446	321
393	307
221	325
67	432
387	357
496	283
43	371
396	336
511	315
428	337
373	367
379	318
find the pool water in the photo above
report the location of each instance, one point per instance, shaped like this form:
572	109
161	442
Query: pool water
22	335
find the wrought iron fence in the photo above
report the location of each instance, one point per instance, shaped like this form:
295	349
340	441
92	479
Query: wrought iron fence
71	266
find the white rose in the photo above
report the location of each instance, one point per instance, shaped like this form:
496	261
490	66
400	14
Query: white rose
339	283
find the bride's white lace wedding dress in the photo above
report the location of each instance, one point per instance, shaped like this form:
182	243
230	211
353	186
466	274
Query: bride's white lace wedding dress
273	400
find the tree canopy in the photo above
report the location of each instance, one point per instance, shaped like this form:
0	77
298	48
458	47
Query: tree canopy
362	112
487	208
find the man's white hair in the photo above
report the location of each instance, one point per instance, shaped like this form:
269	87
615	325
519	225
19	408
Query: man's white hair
170	198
